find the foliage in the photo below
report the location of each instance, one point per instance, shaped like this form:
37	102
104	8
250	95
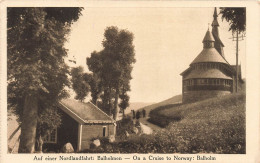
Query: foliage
112	67
236	18
213	126
80	82
124	103
123	126
49	119
37	73
163	120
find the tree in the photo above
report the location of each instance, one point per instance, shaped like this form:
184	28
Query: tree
124	103
37	73
49	119
237	21
80	82
236	18
113	66
95	87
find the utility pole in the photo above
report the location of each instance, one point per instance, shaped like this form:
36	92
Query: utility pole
236	38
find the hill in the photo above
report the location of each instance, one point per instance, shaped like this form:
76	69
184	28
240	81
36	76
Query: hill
137	106
151	106
216	124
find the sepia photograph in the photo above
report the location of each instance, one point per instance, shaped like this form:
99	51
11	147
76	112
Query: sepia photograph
127	80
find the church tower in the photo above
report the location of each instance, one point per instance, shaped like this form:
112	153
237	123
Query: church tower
209	74
218	43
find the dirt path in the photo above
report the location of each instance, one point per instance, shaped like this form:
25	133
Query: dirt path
150	125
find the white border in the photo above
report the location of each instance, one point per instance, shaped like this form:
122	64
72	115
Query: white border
252	70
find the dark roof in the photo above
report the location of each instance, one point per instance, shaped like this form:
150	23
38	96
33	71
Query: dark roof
209	73
209	55
208	37
84	112
217	39
185	71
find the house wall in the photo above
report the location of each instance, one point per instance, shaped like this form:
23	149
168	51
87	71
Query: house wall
67	132
193	96
90	131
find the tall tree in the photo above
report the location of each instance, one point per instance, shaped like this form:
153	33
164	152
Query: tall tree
80	83
124	103
237	21
236	18
37	73
113	65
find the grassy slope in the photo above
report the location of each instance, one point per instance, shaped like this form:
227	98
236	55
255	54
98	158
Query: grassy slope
172	100
137	106
211	126
216	124
148	108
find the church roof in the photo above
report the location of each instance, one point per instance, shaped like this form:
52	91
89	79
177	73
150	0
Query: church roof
84	112
217	39
208	37
209	73
209	55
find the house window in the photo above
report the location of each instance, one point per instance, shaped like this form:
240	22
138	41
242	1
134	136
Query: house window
104	130
51	138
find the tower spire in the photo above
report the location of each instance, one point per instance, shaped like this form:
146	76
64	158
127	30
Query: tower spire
215	20
218	43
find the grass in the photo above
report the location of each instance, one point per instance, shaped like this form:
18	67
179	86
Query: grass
210	126
214	125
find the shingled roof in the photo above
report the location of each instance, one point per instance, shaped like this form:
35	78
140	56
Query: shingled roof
210	73
208	37
209	55
84	112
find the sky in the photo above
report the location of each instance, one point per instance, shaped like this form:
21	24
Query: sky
166	41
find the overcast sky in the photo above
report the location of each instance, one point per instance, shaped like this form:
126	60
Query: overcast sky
166	41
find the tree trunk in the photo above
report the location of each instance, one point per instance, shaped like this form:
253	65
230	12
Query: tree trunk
39	143
29	124
115	104
110	105
123	113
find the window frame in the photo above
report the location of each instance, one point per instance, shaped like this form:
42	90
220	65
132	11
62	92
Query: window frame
47	139
104	134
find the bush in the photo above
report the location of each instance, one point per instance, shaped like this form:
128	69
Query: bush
163	120
126	124
212	126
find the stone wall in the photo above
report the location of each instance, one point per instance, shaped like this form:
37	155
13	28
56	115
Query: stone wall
193	96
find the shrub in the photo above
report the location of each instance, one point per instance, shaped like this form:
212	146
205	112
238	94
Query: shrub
212	126
163	120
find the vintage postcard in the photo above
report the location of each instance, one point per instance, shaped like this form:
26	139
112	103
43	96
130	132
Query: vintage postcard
130	81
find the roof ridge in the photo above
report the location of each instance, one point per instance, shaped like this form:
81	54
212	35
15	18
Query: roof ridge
101	110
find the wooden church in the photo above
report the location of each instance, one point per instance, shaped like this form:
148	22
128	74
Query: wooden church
209	74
